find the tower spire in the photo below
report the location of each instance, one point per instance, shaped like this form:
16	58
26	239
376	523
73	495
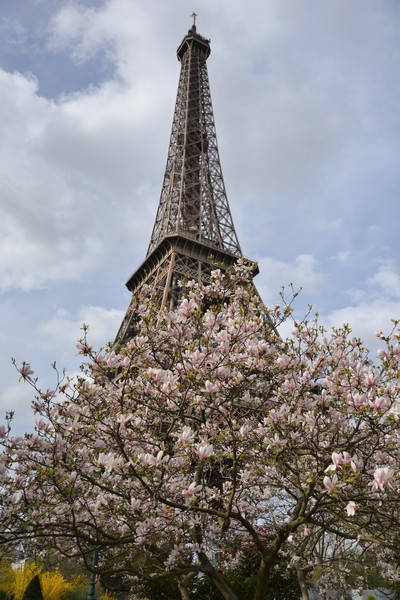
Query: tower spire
193	231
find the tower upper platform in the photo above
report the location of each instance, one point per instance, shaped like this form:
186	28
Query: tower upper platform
193	38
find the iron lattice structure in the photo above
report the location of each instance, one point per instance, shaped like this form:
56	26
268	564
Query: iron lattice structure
193	231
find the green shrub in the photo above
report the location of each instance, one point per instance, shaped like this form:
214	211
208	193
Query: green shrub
34	590
14	581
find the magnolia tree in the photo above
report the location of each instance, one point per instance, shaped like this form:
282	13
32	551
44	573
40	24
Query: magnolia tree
208	431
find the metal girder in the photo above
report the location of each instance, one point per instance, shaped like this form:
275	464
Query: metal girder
175	261
193	197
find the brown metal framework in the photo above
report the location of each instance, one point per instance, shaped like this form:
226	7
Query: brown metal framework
193	197
193	231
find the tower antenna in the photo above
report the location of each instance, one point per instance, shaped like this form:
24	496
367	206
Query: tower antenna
194	15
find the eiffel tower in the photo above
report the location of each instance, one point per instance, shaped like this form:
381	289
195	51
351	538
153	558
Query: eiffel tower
193	232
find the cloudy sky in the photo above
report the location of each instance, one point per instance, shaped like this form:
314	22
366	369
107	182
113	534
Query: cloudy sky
306	100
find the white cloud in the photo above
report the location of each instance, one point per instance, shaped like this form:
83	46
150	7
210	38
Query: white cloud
365	319
42	227
328	223
343	257
65	167
70	26
115	29
304	272
383	285
306	112
376	303
17	398
386	280
56	341
65	329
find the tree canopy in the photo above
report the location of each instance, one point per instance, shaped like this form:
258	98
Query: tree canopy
208	432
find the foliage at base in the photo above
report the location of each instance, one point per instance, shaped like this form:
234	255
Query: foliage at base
33	590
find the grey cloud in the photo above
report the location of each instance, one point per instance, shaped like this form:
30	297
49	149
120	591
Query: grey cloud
305	96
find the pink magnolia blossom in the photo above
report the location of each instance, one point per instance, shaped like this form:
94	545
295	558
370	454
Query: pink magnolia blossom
84	348
169	386
250	421
150	460
140	341
283	361
159	374
193	489
351	508
187	435
109	461
223	336
25	370
381	456
394	411
371	379
330	483
338	459
356	464
245	429
382	476
359	399
381	403
187	307
211	387
135	504
223	372
205	450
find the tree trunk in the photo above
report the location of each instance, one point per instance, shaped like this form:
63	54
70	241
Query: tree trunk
302	583
218	580
262	578
182	585
183	590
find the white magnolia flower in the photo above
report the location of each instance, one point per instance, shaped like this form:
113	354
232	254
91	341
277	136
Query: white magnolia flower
351	508
205	450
